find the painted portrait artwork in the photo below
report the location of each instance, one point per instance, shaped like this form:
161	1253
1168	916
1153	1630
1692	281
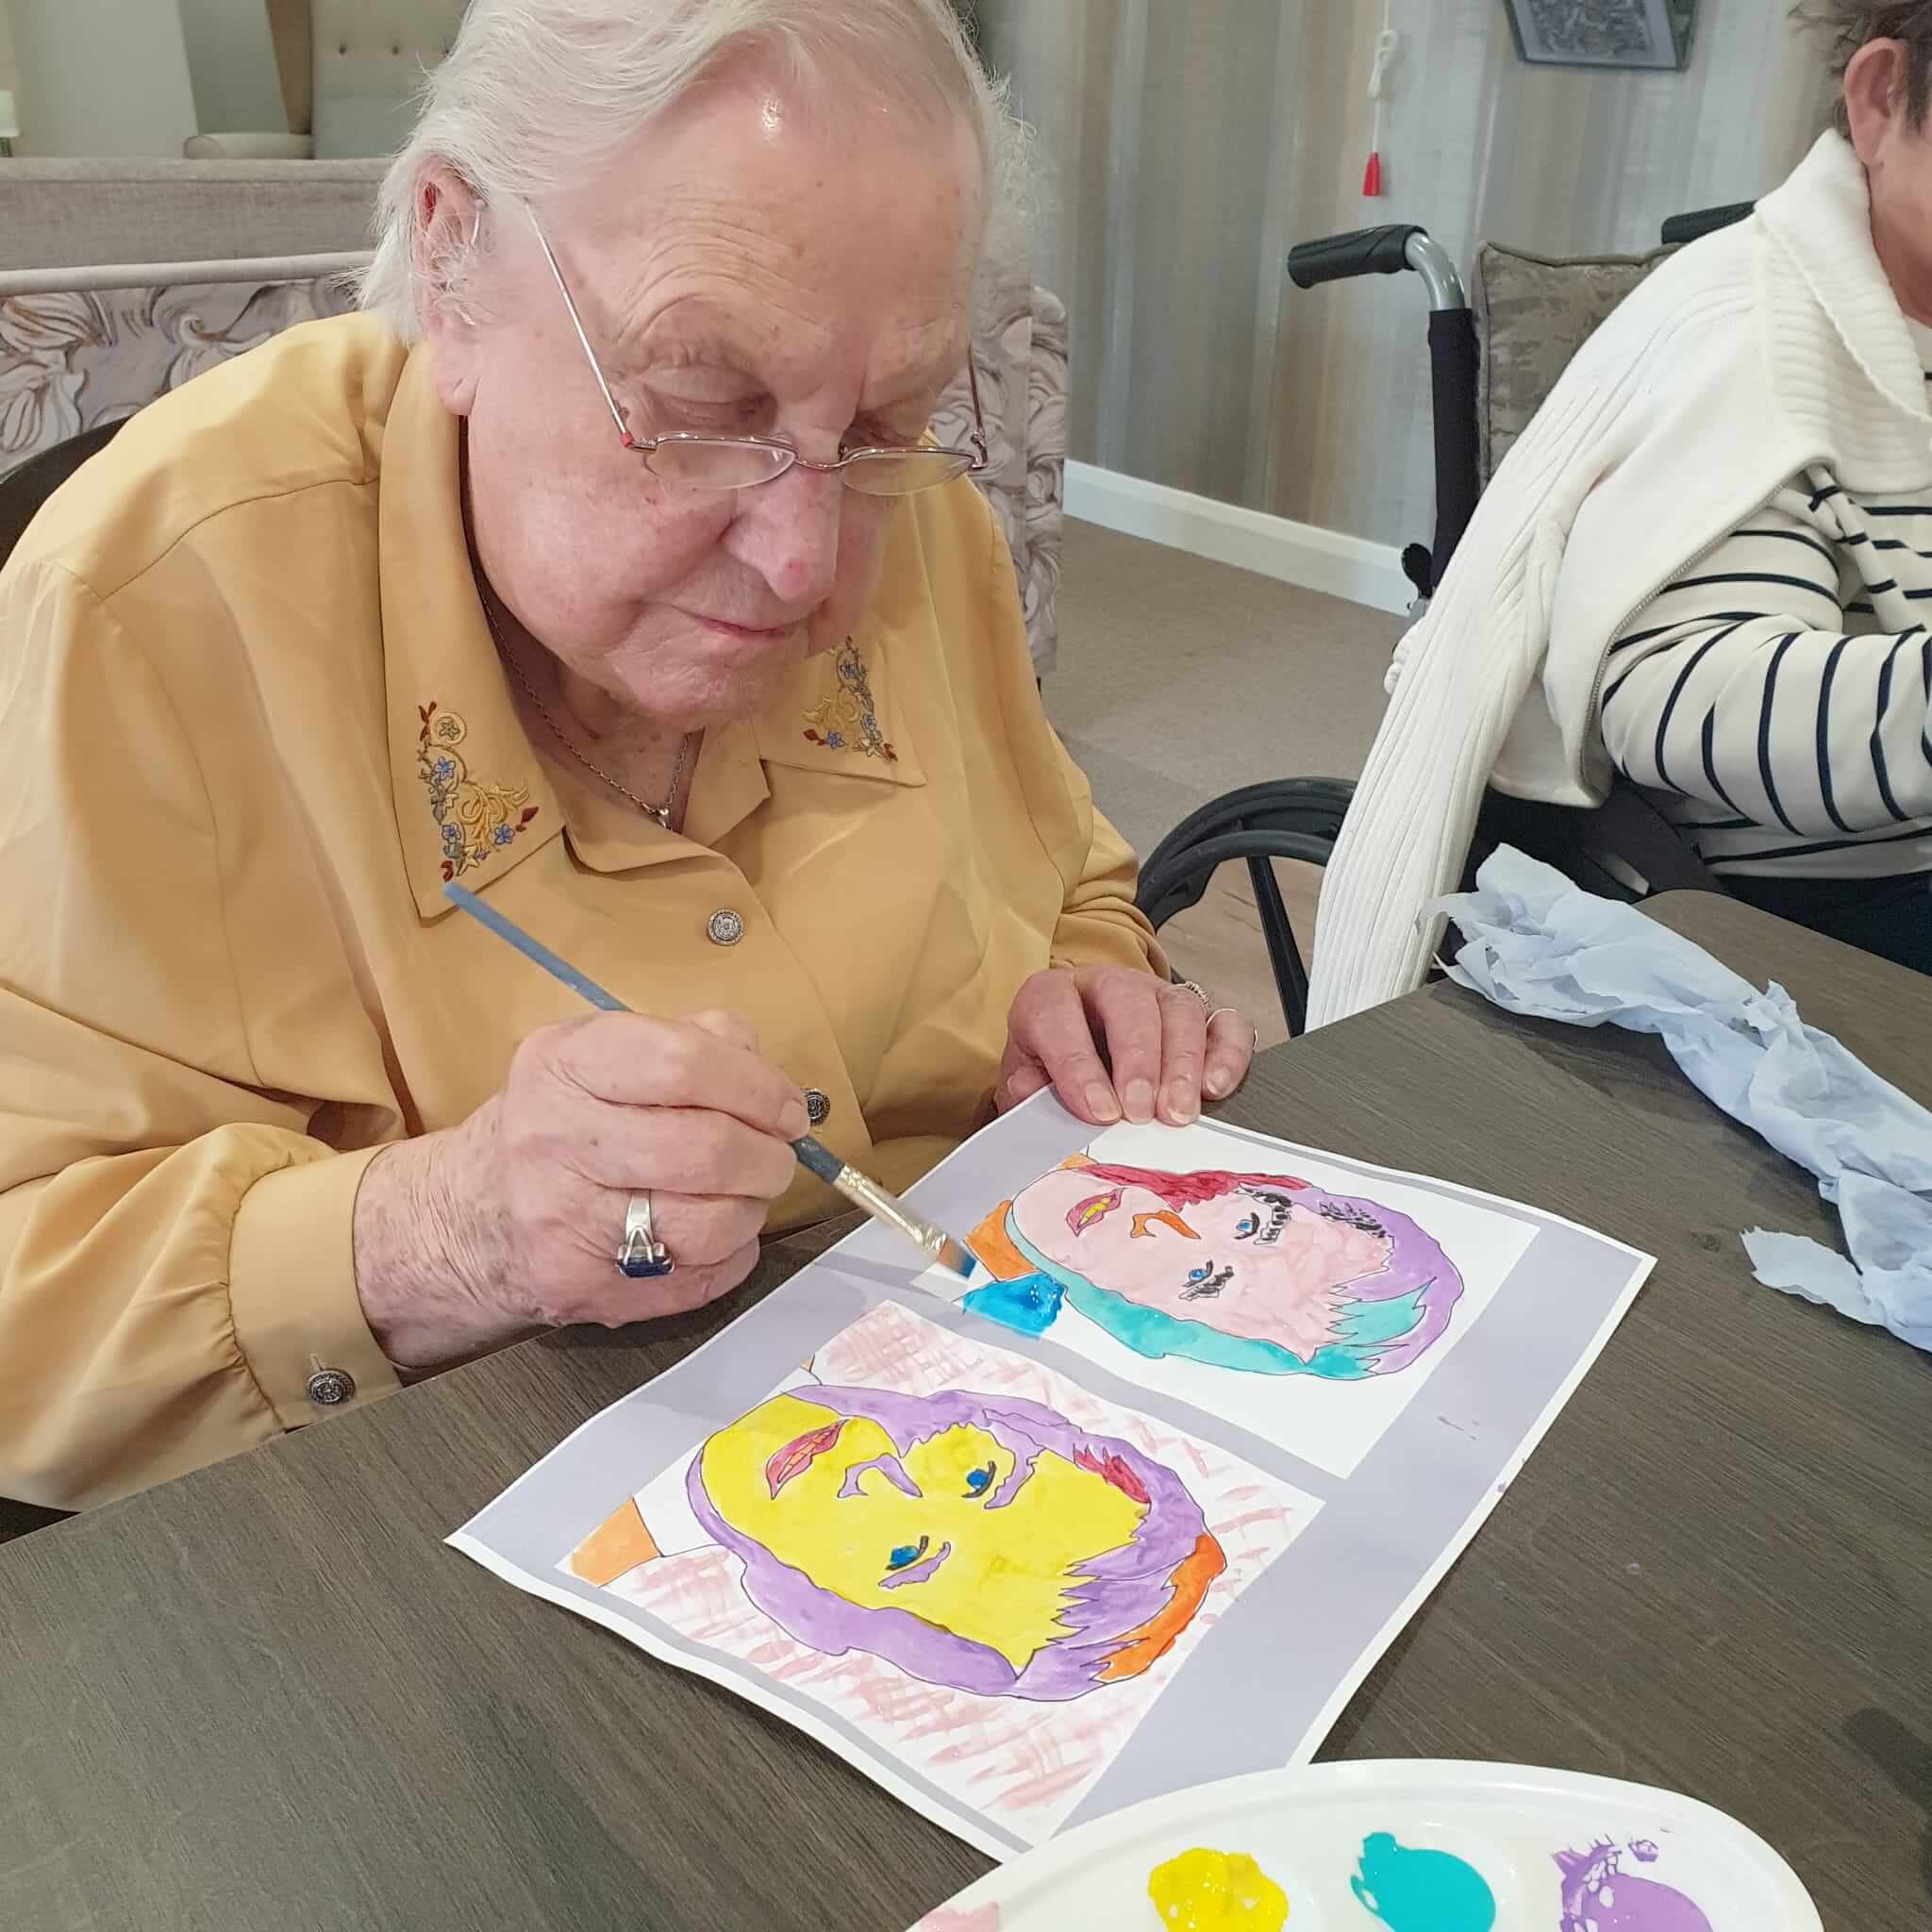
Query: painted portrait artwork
1134	1508
1263	1273
956	1552
1177	1260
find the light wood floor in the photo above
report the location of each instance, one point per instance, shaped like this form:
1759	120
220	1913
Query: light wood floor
1219	942
1180	679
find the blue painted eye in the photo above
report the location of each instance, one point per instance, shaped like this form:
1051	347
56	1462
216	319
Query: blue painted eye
980	1480
908	1554
1247	1226
1198	1274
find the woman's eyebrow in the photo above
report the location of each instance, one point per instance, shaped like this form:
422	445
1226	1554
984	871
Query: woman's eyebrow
638	362
680	345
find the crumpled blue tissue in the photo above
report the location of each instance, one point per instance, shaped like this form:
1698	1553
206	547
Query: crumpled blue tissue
1536	943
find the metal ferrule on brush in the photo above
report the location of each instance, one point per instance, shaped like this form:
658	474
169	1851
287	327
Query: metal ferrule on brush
863	1192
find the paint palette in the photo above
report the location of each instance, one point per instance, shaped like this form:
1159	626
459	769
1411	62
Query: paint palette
1413	1846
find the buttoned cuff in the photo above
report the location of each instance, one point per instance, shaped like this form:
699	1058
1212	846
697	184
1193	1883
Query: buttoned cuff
292	1290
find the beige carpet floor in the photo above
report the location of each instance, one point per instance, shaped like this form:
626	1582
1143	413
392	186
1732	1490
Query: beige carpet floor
1180	679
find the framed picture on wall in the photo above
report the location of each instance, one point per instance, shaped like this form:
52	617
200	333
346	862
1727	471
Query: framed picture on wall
1603	33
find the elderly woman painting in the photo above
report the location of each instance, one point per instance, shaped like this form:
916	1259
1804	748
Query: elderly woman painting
602	566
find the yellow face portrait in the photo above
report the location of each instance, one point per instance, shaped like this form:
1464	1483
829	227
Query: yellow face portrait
829	1496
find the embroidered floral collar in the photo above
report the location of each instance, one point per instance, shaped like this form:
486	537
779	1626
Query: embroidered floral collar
848	718
475	821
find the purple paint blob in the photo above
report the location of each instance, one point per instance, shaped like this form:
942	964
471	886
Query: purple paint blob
1599	1896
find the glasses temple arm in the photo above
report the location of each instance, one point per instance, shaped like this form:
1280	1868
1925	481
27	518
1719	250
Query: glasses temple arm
978	413
577	322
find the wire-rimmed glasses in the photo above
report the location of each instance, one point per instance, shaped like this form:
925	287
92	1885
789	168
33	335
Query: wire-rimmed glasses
742	462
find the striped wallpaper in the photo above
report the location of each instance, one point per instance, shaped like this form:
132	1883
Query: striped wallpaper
1187	142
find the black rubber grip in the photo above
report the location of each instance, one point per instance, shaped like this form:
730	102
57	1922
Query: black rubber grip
1705	221
1366	251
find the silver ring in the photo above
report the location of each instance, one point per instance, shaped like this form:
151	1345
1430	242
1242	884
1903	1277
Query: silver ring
1200	992
643	1257
1254	1043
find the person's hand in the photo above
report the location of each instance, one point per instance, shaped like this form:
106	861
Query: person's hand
512	1221
1114	1044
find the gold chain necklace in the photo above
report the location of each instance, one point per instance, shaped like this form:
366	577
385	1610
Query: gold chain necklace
660	812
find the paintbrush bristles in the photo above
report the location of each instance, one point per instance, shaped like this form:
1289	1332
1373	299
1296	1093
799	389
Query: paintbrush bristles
956	1257
935	1244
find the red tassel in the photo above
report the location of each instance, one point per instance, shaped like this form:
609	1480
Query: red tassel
1372	175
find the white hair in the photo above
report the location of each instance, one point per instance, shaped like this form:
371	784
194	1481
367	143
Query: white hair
535	96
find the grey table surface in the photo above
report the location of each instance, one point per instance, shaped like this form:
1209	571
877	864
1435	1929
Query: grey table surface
266	1696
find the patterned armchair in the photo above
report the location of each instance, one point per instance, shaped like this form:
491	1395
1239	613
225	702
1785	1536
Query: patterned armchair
1020	355
81	347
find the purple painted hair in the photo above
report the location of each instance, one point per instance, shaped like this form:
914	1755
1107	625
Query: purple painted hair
1417	1269
1124	1591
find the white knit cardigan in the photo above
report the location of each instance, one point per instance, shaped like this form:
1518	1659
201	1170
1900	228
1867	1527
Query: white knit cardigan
1755	352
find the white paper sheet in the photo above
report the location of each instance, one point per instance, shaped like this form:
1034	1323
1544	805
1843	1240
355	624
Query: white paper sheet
1023	1581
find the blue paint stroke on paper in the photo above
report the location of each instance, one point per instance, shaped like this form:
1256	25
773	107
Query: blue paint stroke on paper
1027	1306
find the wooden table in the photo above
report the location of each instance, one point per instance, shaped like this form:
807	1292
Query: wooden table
266	1696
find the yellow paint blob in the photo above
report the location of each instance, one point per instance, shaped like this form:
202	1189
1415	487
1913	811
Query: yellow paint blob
1216	1892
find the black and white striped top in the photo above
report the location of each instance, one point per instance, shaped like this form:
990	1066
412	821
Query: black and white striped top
1775	696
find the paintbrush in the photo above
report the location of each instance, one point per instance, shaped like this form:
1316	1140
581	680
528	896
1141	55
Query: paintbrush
934	1242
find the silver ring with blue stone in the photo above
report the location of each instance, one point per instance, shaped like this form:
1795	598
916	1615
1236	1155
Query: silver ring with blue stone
643	1257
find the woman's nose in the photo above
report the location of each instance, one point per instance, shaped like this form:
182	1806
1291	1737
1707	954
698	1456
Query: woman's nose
790	530
1145	1224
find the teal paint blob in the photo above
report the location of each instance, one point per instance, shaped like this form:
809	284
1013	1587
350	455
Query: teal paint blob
1027	1306
1421	1891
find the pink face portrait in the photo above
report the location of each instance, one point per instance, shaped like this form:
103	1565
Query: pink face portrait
1258	1261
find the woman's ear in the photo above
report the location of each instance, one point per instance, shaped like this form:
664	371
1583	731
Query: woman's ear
448	224
1875	88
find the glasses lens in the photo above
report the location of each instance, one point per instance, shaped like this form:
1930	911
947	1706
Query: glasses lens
700	462
900	472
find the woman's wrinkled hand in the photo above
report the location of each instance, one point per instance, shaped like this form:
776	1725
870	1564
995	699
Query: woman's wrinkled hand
511	1221
1117	1044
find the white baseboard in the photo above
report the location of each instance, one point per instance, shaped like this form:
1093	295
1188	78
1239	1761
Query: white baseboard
1315	558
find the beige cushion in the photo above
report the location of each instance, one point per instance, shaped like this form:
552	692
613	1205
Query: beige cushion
1532	315
370	56
78	214
248	147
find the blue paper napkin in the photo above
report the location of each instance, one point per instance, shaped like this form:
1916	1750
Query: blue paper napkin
1536	943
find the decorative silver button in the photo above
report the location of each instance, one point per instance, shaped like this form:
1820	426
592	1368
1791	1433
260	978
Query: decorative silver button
331	1388
817	1106
726	928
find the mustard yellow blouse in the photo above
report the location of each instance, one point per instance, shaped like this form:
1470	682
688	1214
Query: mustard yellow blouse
251	721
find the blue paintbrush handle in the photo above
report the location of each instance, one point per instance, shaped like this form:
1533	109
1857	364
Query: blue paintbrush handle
819	1158
533	950
811	1154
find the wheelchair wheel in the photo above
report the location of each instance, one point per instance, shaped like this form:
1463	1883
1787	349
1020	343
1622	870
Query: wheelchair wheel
1292	818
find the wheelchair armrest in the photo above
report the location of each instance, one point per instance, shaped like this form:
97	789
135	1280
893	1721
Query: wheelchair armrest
1704	221
1363	252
